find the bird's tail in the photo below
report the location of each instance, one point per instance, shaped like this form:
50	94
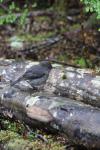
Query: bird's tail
16	81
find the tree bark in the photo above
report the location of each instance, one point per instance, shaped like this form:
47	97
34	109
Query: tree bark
79	84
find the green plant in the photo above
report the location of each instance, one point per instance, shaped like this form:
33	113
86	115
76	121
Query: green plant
13	7
11	16
92	6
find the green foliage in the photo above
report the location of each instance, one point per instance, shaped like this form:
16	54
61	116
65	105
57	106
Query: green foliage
12	8
1	1
81	61
92	6
11	16
22	19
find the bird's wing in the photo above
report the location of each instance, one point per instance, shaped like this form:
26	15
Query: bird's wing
35	72
29	75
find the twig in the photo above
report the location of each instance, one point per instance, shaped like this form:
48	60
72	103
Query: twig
62	63
4	7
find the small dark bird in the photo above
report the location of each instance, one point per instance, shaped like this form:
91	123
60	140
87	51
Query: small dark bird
37	73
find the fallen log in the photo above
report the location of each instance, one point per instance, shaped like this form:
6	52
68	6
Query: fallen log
55	113
79	84
48	110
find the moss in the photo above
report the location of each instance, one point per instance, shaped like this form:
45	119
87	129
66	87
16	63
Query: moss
7	135
12	141
63	30
1	12
64	77
36	38
11	138
75	27
62	57
43	18
19	144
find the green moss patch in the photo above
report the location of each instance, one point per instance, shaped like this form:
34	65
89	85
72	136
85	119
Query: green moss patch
36	38
16	136
12	141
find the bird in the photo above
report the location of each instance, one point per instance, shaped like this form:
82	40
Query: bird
37	73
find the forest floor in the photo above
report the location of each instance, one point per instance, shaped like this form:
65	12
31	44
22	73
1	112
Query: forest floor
80	46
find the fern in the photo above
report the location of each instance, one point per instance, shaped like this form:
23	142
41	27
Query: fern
11	17
92	6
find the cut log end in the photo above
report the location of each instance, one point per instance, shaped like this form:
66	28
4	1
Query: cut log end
39	114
